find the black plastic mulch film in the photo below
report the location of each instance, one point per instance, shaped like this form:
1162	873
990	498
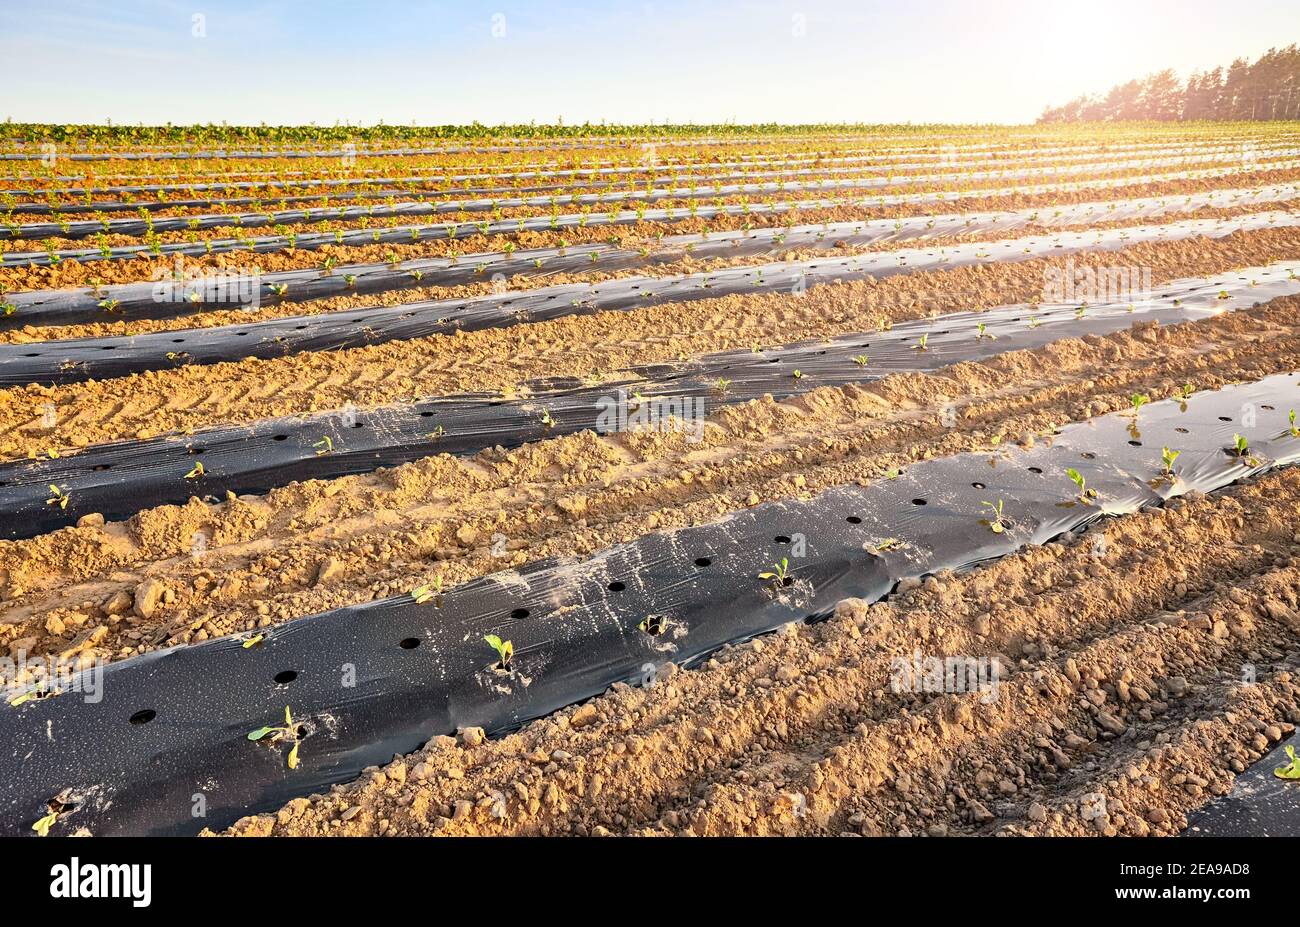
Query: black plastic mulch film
74	361
118	480
168	731
667	174
1259	805
176	298
399	234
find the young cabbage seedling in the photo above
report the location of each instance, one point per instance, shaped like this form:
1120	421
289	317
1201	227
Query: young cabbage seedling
1290	418
279	289
1086	495
923	344
1292	769
1167	458
861	360
197	472
1241	448
722	385
779	573
996	521
981	332
324	446
1184	393
505	651
1137	401
288	731
547	420
58	497
422	594
654	625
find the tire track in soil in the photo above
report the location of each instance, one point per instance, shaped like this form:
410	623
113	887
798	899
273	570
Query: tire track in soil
1118	681
312	546
579	346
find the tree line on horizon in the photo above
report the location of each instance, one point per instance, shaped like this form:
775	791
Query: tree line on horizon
1265	89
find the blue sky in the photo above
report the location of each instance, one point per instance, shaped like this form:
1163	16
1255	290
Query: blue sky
675	60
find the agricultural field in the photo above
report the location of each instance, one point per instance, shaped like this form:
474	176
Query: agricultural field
713	480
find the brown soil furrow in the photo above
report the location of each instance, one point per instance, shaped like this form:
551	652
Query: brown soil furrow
586	345
383	534
798	733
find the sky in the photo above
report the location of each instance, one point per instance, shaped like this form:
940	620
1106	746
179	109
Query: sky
788	61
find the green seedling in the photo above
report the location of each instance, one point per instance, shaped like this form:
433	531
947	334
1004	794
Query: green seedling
279	289
1223	294
1290	418
350	280
654	625
861	360
722	385
996	521
422	594
505	651
1167	458
981	332
923	344
324	446
197	472
108	305
36	693
286	732
58	497
253	641
798	375
888	544
1137	401
1086	495
779	573
8	308
1034	321
1241	447
547	420
1183	393
1292	769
